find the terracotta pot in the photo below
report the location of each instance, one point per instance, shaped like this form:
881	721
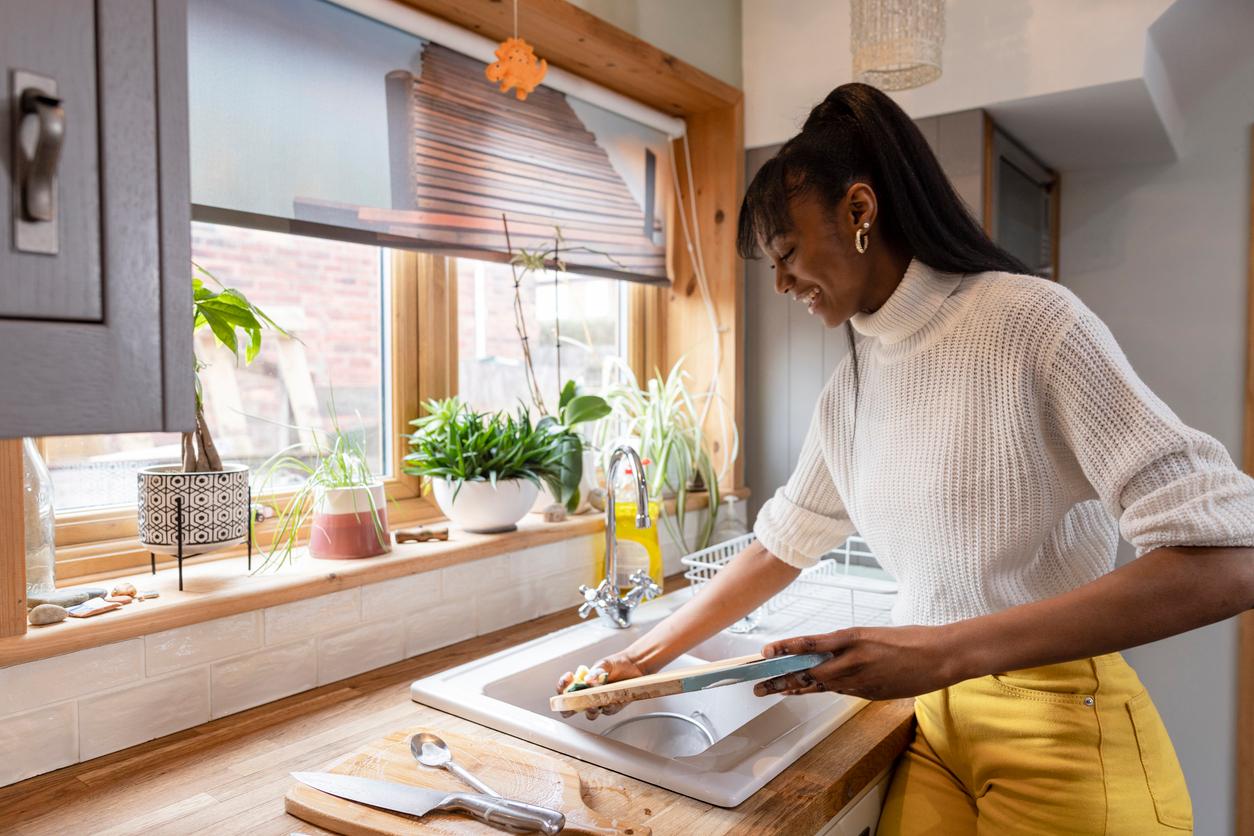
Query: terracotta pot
349	523
482	508
214	508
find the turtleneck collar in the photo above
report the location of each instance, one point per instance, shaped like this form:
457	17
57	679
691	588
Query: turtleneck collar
912	309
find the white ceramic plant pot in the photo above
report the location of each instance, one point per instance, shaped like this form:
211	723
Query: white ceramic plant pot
213	506
483	508
349	523
587	482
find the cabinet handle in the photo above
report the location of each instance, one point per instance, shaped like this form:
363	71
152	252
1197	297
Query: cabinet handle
39	186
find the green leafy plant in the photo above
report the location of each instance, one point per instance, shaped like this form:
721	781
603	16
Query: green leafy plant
235	323
456	443
573	408
664	420
339	463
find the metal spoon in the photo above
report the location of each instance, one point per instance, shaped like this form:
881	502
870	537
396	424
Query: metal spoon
430	750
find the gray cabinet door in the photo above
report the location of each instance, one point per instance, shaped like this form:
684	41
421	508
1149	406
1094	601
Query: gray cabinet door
126	366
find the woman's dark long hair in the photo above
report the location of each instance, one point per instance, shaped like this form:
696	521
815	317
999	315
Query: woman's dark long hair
858	134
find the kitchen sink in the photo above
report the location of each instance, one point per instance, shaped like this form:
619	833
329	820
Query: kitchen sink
718	746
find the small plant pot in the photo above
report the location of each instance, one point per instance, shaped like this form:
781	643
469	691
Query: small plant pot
350	523
213	506
482	508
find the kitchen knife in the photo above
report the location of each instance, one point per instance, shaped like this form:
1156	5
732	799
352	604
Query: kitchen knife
765	669
516	816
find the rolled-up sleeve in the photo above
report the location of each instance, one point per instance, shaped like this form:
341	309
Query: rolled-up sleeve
806	517
1166	483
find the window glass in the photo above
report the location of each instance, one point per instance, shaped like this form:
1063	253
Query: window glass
587	314
332	297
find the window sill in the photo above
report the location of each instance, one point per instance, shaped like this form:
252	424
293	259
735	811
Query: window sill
219	588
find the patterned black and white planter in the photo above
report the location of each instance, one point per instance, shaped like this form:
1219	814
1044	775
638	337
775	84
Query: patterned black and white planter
214	508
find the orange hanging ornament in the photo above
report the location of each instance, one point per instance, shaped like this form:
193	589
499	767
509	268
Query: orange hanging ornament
516	65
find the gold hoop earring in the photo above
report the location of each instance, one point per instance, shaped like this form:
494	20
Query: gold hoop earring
860	237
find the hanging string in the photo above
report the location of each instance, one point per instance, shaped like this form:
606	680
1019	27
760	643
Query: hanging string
515	18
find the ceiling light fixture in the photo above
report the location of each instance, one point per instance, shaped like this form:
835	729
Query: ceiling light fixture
897	44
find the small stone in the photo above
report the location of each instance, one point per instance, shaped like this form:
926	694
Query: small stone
47	614
596	498
64	597
124	588
554	513
119	599
149	593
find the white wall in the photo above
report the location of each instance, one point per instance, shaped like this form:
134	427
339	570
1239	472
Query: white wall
704	33
796	51
1160	253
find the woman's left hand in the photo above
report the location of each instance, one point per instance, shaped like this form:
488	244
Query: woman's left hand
875	663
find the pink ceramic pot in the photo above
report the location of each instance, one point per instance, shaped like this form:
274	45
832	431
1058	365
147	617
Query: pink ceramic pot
344	524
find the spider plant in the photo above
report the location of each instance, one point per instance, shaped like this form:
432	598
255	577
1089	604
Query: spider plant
339	463
665	419
456	443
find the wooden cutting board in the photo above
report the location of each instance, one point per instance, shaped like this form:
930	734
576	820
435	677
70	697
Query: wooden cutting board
681	680
526	776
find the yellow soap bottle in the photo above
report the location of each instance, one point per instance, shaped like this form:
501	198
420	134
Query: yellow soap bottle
638	548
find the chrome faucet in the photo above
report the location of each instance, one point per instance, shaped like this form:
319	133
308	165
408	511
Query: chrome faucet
616	609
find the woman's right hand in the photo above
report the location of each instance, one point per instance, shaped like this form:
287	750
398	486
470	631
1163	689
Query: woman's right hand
617	666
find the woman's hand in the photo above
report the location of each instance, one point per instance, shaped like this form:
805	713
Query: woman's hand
617	666
875	663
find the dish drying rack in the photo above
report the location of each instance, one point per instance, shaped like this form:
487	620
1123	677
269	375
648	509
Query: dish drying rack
841	587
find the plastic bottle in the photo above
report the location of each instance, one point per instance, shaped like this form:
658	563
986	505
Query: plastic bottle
638	548
40	523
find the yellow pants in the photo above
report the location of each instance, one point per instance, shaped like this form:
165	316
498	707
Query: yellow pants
1073	748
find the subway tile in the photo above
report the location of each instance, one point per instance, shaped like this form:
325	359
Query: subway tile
467	579
70	675
553	558
154	708
263	676
197	644
302	619
439	626
400	597
558	592
46	738
361	649
506	607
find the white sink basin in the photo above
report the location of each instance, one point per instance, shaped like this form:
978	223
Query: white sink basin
718	746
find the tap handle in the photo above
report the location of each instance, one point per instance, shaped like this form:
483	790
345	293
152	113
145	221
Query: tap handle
648	588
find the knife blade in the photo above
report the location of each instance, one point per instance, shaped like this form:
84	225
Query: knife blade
517	816
764	669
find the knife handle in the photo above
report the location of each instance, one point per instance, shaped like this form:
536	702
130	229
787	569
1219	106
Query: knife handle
517	816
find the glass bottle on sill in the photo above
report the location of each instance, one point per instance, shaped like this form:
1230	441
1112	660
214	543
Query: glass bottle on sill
40	522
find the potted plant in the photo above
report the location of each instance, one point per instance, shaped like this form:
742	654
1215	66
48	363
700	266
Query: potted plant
202	504
487	468
664	424
579	462
345	500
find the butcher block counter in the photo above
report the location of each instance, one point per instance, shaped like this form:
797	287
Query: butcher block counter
230	775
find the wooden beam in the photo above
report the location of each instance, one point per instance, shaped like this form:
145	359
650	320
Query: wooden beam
12	540
1245	663
581	43
716	142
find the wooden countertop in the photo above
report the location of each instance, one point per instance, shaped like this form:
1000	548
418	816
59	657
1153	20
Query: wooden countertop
230	775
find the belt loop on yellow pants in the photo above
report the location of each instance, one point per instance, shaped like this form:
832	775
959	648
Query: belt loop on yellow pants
1072	748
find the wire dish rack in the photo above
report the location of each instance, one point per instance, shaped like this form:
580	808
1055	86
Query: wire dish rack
846	587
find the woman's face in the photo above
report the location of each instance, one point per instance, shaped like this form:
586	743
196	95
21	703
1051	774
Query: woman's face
816	261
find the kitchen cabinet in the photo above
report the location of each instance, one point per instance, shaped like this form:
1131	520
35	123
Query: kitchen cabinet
862	815
95	268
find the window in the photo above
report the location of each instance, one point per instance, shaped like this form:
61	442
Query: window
332	297
586	317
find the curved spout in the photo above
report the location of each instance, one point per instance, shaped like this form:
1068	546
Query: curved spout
642	506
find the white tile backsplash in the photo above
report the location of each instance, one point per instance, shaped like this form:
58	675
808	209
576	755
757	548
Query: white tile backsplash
364	648
439	626
465	580
153	708
263	676
70	675
38	741
80	705
301	619
196	644
400	597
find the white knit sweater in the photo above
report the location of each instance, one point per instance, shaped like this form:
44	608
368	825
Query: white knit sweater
1000	434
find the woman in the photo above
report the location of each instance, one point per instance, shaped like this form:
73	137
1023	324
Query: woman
989	440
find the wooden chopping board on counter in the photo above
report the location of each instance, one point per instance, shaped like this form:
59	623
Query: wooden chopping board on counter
525	776
685	680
